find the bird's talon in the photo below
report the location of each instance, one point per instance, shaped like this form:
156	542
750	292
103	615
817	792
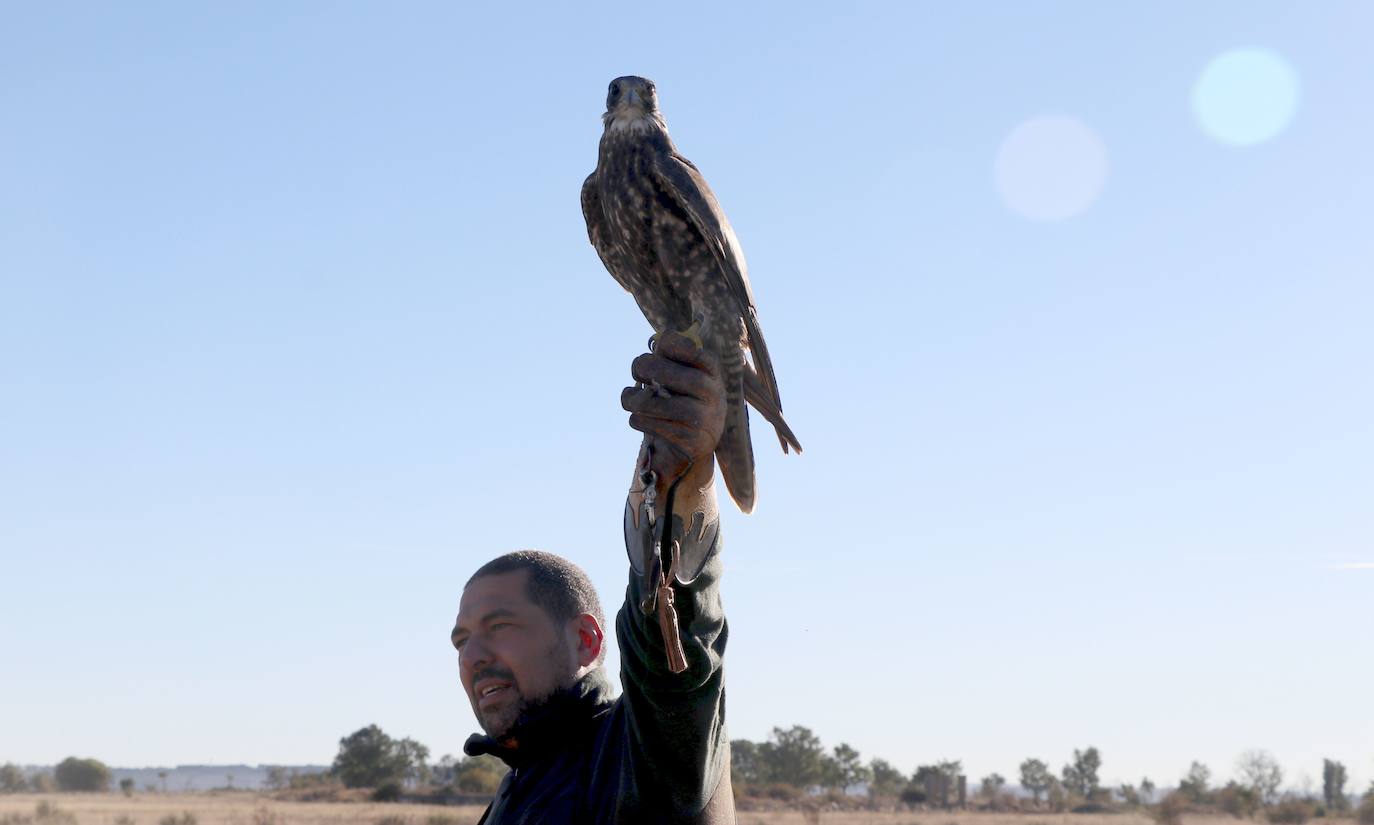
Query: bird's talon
693	333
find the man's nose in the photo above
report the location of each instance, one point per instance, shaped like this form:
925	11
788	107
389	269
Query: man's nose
474	656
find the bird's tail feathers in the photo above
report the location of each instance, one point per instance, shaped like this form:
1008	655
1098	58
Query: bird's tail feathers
735	452
756	393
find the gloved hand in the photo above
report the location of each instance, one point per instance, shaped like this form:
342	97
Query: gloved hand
679	405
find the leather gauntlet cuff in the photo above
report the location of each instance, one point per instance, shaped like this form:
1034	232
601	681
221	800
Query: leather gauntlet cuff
696	543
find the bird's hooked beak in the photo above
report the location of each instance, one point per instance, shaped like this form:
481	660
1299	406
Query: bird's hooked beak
632	98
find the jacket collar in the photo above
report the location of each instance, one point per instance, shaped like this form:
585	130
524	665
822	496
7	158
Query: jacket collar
548	725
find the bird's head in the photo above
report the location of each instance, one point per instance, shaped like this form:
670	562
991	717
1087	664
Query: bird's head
632	105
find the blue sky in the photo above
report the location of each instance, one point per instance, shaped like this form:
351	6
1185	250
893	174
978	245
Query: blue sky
299	325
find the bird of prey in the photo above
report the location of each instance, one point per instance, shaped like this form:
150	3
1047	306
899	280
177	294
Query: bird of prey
657	227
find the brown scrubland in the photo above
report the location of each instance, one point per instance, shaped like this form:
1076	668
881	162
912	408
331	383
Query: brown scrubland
251	808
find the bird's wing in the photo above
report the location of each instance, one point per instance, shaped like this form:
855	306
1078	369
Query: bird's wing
678	177
595	217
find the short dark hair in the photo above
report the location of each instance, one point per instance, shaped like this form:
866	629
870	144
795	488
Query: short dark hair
557	585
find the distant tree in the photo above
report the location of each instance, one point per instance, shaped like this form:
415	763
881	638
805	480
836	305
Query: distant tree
162	775
1035	777
479	774
73	774
746	765
444	771
1057	796
1261	773
1194	784
368	758
126	786
277	778
1080	775
950	771
793	756
42	783
926	775
12	779
1129	794
1147	791
886	779
938	781
415	756
992	785
1333	785
848	769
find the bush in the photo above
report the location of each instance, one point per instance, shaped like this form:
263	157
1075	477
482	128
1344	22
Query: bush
442	819
12	779
263	815
42	783
124	819
1291	812
82	775
1364	814
319	779
1170	809
913	797
479	774
781	792
49	814
186	818
1092	808
1238	800
387	792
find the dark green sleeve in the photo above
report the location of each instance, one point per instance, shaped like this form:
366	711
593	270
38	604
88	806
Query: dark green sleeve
677	744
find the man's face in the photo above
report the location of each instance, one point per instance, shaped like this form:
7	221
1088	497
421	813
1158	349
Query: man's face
510	651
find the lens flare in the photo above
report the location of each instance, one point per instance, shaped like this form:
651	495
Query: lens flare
1050	168
1246	96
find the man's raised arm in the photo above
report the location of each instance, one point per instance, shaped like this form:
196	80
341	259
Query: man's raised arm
678	753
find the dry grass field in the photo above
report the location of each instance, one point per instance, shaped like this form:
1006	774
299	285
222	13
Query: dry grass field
246	808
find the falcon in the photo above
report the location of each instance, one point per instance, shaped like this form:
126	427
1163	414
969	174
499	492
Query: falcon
657	227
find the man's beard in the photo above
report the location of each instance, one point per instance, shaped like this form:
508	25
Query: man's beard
499	722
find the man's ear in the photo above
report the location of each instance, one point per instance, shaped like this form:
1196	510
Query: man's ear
590	638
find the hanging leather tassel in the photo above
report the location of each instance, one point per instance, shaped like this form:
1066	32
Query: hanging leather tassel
667	618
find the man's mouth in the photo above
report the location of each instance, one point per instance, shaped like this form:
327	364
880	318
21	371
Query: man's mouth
492	692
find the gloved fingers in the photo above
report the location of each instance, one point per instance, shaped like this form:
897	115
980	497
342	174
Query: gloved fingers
680	408
684	441
678	379
678	347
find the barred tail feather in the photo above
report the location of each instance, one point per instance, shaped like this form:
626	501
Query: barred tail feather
735	452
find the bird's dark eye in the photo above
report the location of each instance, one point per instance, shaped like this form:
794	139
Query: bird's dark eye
615	89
